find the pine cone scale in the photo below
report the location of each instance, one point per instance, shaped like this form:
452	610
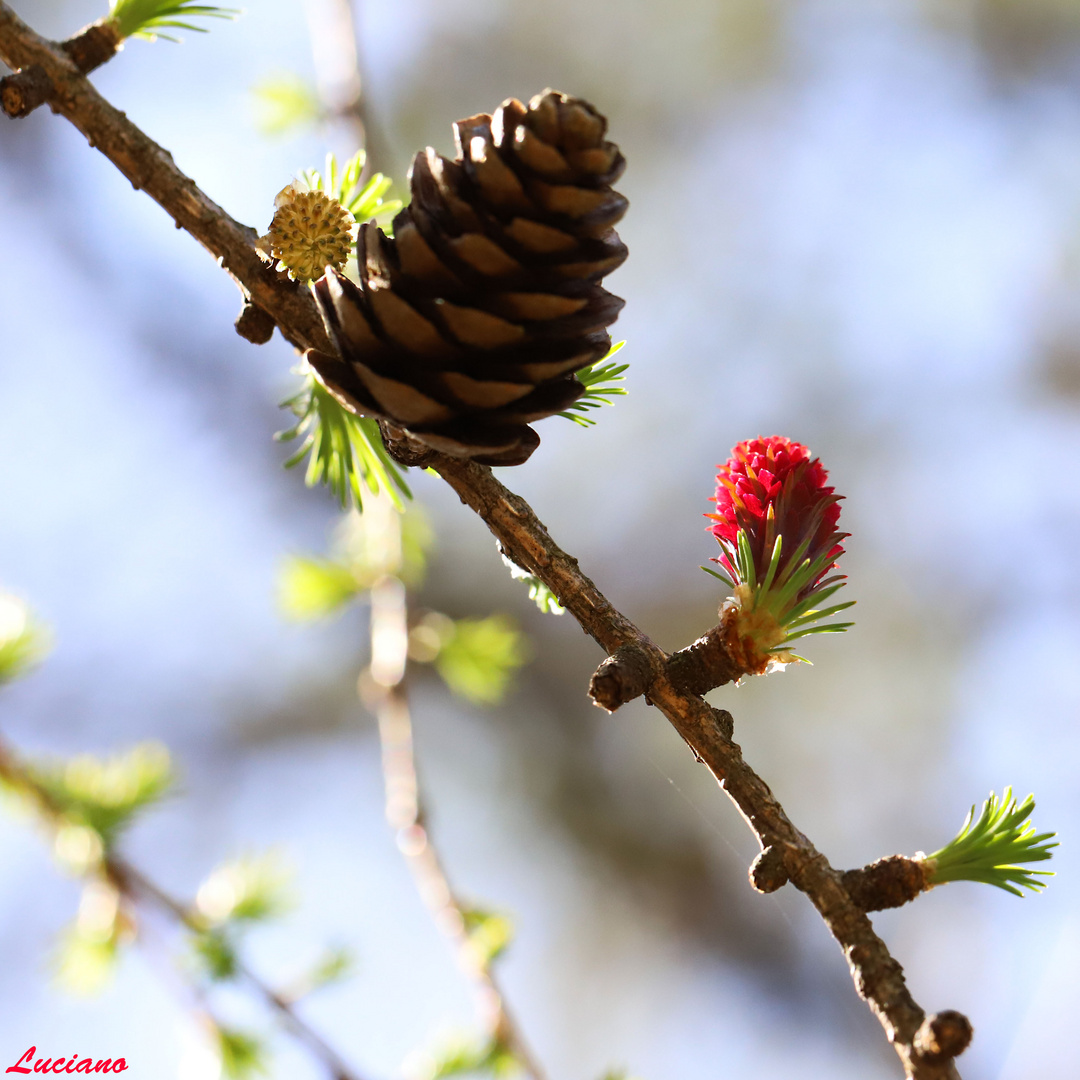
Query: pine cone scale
537	306
539	156
478	329
418	259
404	400
484	393
536	238
380	372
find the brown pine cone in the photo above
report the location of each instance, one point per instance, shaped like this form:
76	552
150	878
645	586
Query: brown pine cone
469	324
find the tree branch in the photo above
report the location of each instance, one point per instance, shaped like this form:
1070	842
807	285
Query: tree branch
697	669
887	883
22	92
151	168
878	977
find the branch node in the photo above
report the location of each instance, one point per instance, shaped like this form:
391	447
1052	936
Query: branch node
767	871
944	1035
725	722
254	323
403	448
706	664
22	92
623	676
93	45
887	883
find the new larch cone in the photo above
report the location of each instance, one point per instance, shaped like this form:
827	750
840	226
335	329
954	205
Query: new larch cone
469	323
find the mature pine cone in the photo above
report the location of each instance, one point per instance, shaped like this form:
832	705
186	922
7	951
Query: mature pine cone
469	324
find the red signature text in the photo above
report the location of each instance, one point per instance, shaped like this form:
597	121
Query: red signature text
73	1064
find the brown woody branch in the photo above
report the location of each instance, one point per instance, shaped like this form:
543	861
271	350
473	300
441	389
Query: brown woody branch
887	883
25	90
878	977
151	168
706	664
621	677
93	46
22	92
697	669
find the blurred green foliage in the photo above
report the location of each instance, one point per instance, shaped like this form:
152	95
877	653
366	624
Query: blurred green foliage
479	657
311	588
476	657
251	889
243	1055
285	101
365	547
460	1055
335	964
86	963
90	948
488	933
103	794
23	640
381	542
215	954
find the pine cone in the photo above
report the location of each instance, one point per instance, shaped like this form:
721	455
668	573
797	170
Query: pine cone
469	324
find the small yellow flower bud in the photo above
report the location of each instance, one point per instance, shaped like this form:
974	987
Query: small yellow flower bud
310	231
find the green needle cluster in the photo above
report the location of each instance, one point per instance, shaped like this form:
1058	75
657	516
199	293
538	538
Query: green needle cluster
346	451
992	848
601	381
147	18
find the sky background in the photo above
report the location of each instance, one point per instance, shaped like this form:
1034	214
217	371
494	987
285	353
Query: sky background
856	224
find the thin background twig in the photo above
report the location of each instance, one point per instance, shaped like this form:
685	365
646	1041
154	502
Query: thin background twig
138	889
384	692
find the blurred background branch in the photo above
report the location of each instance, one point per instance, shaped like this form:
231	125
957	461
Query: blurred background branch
479	936
84	806
379	557
335	49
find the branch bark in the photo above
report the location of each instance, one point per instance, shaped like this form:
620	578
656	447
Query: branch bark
151	168
22	92
877	976
887	883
